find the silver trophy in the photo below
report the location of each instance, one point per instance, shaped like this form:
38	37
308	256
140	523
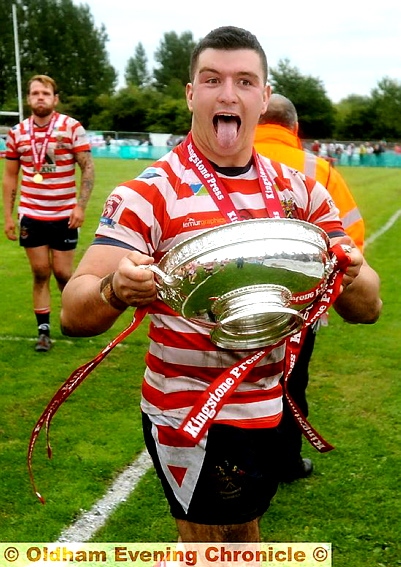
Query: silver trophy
246	281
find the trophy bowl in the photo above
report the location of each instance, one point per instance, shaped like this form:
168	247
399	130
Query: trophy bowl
246	281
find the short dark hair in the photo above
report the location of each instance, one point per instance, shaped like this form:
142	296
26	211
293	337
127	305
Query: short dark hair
228	38
45	80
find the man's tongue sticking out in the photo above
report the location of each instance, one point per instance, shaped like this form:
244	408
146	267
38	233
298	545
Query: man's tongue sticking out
226	130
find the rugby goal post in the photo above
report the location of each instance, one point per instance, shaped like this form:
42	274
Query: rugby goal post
20	112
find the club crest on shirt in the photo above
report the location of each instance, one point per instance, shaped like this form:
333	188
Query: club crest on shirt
110	209
60	144
288	207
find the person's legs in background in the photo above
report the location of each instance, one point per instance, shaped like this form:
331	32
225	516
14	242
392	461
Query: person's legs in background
39	259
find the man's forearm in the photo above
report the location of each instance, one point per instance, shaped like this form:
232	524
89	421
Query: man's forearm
360	301
10	187
10	191
84	313
87	178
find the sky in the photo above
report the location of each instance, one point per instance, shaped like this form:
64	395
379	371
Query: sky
349	45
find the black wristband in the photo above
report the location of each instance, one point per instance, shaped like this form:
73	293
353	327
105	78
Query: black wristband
108	294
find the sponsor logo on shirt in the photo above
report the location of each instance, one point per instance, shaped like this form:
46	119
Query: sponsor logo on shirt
190	222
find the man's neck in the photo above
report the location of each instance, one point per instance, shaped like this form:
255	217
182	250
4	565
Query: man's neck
42	121
233	171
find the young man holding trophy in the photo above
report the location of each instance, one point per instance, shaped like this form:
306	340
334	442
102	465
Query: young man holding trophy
211	408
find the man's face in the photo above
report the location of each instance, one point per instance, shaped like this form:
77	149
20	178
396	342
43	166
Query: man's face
226	98
41	99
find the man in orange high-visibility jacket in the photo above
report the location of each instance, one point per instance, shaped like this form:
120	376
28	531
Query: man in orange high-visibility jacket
277	138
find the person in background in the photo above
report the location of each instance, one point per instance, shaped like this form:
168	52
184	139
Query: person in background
276	137
350	151
362	154
218	486
315	147
46	147
338	153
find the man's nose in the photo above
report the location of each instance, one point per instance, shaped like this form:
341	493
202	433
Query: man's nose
228	92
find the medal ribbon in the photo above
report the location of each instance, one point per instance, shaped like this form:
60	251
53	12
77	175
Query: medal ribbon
71	384
39	159
294	343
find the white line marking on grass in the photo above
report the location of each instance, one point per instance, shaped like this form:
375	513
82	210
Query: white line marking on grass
87	525
90	342
32	339
392	220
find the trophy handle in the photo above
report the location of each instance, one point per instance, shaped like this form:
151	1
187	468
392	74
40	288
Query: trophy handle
171	281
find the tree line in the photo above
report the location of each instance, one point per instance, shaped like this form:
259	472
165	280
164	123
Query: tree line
59	38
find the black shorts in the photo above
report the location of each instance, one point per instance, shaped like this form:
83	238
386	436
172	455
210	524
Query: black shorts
239	476
55	234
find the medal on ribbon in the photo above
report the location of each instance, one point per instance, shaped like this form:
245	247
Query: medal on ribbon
39	158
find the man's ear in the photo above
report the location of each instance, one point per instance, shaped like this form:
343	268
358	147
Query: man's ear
266	97
188	94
